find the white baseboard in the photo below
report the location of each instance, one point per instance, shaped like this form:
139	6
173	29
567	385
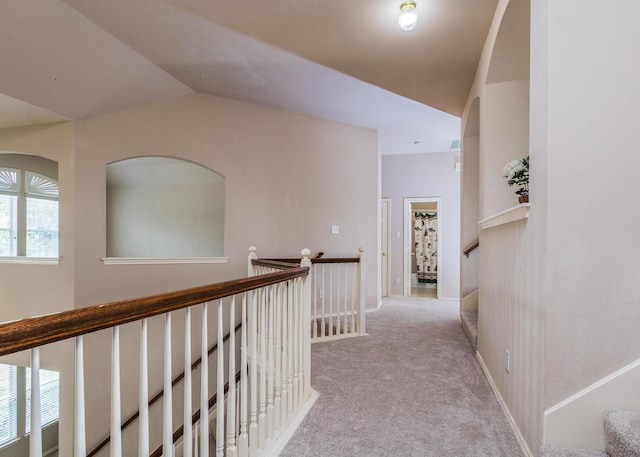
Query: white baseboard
449	298
516	431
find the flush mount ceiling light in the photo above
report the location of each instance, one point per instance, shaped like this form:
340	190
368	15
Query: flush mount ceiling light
408	16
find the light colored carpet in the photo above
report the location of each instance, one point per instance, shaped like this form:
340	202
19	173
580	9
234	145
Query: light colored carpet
413	387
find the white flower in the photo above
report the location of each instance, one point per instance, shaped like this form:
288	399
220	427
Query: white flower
511	168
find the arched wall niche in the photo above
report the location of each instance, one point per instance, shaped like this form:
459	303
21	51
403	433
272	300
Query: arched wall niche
163	207
510	56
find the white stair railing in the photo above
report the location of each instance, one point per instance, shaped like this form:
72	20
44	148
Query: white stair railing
253	404
338	306
338	298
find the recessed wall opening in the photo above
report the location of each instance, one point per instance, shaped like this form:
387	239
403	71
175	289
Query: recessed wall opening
162	207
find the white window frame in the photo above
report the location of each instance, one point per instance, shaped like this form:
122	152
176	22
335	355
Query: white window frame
29	185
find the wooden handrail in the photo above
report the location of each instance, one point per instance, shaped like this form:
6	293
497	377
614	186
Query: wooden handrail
313	260
37	331
472	248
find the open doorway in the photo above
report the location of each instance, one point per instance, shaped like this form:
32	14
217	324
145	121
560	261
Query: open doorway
422	259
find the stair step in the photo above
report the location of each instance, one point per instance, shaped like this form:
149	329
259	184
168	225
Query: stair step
549	451
622	433
469	321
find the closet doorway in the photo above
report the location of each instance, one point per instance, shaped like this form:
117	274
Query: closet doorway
422	260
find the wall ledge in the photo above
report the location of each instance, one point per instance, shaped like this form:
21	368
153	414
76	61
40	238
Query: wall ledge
512	214
161	260
31	260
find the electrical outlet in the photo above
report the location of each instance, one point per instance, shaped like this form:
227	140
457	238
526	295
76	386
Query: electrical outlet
507	361
397	281
321	293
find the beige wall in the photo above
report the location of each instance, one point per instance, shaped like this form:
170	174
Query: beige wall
289	178
425	175
31	290
593	306
556	290
511	268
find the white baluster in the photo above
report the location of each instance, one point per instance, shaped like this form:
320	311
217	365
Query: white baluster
284	411
354	288
80	441
324	290
204	386
277	403
231	397
361	293
270	360
262	417
305	316
345	269
295	342
167	399
220	385
116	432
338	291
143	397
253	421
243	438
314	318
35	443
290	346
196	436
331	274
187	437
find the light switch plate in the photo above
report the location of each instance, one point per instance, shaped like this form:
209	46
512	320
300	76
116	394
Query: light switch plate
335	229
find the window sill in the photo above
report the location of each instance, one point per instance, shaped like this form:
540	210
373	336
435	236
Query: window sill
513	214
32	260
161	260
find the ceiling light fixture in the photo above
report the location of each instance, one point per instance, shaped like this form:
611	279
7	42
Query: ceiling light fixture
408	16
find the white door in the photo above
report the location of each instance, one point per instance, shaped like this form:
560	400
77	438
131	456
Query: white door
385	204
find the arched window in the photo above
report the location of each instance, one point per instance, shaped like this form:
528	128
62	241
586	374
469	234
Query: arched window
28	207
164	208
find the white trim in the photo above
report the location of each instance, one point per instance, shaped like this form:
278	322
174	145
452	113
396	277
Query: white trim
577	421
406	216
512	214
449	298
516	431
592	387
161	260
31	260
280	441
385	201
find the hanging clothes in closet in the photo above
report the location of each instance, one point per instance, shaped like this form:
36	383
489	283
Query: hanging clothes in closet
426	248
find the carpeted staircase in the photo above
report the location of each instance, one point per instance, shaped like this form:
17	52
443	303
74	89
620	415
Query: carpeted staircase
469	321
622	438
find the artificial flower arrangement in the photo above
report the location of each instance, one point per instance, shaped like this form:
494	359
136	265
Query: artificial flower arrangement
517	174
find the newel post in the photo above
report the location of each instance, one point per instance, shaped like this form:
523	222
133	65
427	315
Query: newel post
306	321
252	255
361	293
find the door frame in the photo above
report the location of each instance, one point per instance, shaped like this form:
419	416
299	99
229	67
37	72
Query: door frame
407	242
385	274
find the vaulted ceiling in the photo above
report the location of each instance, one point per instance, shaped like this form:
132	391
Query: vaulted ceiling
346	60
